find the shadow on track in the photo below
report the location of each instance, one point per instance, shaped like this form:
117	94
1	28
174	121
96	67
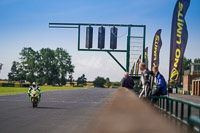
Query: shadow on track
50	108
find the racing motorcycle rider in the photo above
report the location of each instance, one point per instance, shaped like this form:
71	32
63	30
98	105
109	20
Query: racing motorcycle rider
32	87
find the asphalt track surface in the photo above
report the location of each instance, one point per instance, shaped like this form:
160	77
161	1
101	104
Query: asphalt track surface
58	112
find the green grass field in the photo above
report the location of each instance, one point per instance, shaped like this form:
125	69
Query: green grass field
16	90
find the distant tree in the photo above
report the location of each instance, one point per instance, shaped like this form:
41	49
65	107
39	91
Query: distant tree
48	64
82	80
108	83
116	84
63	80
197	60
29	63
44	66
55	65
71	79
14	74
186	64
41	73
64	64
99	82
1	66
22	74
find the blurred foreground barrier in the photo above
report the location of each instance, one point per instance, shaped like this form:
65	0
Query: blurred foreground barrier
125	113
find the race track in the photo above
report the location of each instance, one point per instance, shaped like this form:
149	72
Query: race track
58	112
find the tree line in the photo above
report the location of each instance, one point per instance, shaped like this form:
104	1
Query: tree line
53	66
43	66
49	66
186	63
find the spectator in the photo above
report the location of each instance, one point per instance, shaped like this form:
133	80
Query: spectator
127	81
146	81
161	88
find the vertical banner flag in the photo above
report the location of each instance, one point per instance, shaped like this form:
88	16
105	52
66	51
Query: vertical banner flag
137	65
179	37
157	44
146	57
132	69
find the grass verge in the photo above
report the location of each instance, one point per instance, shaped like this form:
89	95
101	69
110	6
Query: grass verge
16	90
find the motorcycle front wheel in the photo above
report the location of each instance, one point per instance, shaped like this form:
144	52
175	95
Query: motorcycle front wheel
34	101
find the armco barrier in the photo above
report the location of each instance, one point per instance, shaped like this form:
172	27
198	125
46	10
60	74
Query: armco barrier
7	85
194	122
14	85
176	108
17	85
25	85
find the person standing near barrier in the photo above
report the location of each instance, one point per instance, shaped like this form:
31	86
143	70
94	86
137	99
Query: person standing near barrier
146	81
127	81
161	88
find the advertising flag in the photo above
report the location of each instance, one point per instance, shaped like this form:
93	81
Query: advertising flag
146	57
157	44
132	69
137	65
179	37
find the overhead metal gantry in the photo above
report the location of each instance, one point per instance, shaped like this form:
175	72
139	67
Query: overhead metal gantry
109	51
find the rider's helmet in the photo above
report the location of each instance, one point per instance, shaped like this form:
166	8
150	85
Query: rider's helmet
34	84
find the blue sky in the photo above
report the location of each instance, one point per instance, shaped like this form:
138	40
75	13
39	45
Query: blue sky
24	23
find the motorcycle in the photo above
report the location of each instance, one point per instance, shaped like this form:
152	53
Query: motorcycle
35	97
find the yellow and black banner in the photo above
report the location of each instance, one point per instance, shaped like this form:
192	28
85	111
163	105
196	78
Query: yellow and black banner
179	37
137	65
157	44
132	69
146	57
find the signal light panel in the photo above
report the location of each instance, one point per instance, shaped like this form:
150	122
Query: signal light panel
89	37
113	38
101	37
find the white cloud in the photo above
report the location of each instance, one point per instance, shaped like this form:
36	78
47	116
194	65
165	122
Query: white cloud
93	62
98	66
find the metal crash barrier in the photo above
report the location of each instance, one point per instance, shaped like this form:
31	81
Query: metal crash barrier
186	112
194	121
